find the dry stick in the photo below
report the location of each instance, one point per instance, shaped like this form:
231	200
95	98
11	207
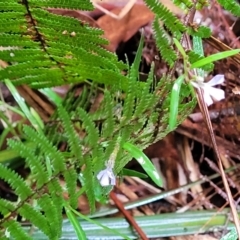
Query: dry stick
128	216
205	113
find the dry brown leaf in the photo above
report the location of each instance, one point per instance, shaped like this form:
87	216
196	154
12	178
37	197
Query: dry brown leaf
117	31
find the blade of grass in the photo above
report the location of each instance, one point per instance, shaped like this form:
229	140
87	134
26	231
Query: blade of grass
144	161
75	223
22	105
214	57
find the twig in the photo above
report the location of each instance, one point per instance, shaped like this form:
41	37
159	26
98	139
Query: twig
128	216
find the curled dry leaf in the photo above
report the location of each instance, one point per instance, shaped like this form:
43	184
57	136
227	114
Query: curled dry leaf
117	31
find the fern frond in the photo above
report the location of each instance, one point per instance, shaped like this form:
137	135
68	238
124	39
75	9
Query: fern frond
47	149
15	230
88	124
73	139
193	57
186	3
6	207
231	6
56	193
50	210
172	23
202	32
163	43
11	6
70	177
88	182
145	95
73	4
36	218
38	169
107	108
16	182
67	50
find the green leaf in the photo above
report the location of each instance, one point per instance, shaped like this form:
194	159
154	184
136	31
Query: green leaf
144	161
214	57
132	173
174	102
29	115
75	223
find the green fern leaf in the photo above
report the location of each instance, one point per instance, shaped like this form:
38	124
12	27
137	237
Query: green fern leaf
88	124
56	193
163	44
172	23
50	211
107	109
202	32
73	139
36	218
16	182
16	231
231	6
187	3
6	207
63	56
71	177
47	149
35	163
73	4
88	183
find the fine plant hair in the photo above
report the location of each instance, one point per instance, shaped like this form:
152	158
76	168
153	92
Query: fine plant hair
43	50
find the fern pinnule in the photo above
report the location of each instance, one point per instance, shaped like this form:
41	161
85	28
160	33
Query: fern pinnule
187	3
73	4
11	6
6	207
88	182
17	40
47	149
37	218
50	210
73	139
17	183
70	177
56	192
231	6
15	230
22	55
202	31
163	44
33	160
107	107
133	73
54	20
145	96
89	126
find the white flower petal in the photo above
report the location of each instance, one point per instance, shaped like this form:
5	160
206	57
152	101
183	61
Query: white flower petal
216	93
218	79
207	98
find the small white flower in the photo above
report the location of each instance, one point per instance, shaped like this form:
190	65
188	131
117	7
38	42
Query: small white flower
210	93
106	177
